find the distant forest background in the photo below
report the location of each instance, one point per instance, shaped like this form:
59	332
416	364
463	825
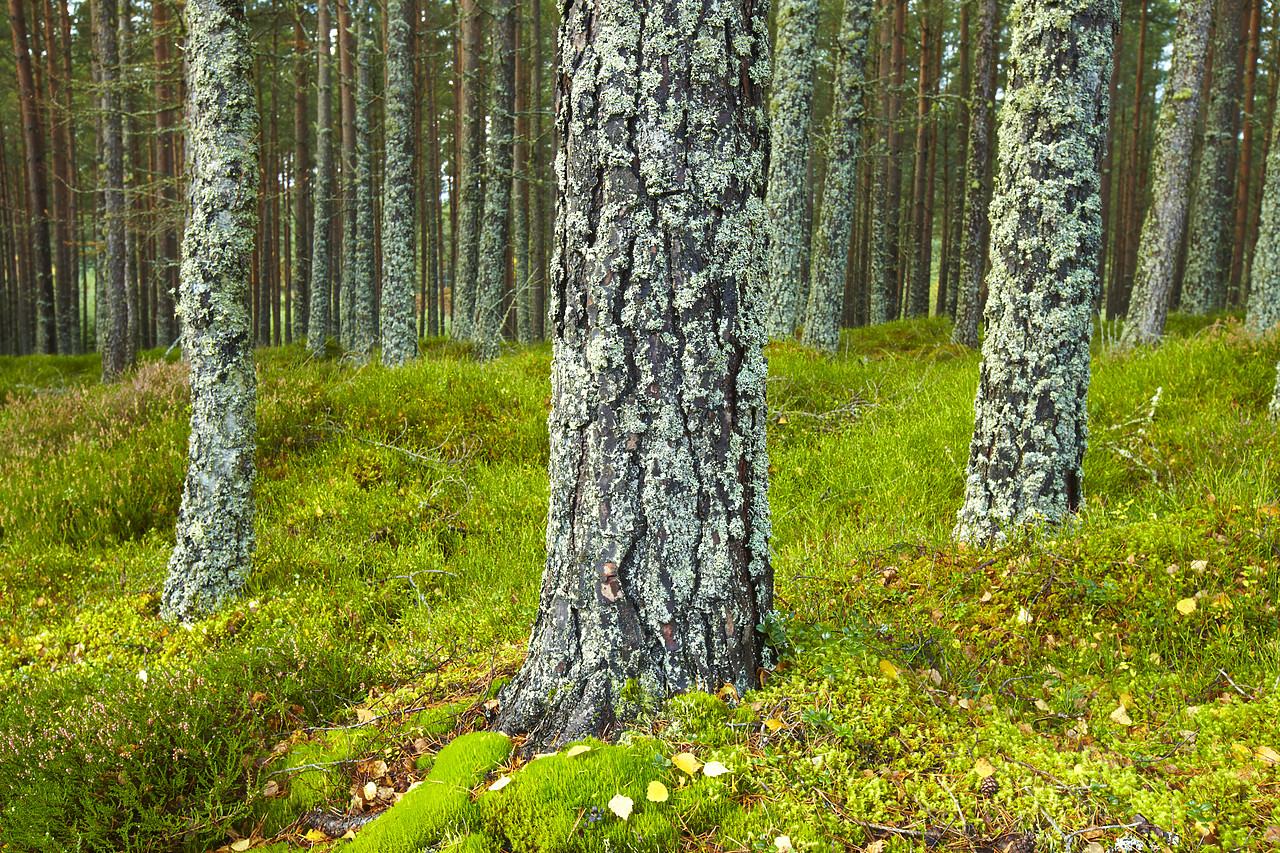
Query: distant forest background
95	75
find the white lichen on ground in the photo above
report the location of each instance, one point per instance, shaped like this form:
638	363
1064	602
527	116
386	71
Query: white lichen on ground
215	522
1030	414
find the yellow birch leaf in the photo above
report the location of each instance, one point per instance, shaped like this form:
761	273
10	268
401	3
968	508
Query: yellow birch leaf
364	715
1267	754
500	783
686	762
242	844
657	792
889	670
1121	717
773	724
621	806
983	768
577	750
1186	606
315	835
714	768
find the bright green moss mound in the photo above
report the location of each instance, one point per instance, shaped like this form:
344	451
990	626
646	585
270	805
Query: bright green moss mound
441	804
561	803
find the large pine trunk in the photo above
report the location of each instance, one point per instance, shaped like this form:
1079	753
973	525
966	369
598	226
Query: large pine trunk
1171	172
835	222
657	569
215	522
1030	412
399	250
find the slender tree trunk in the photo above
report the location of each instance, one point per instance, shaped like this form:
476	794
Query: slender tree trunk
960	192
1167	215
879	277
60	210
432	213
347	82
300	268
117	356
470	173
790	109
1118	298
399	251
893	204
1108	165
318	319
497	200
918	292
973	236
166	171
520	189
835	225
1244	175
215	522
537	208
657	535
37	181
1025	460
362	284
1264	297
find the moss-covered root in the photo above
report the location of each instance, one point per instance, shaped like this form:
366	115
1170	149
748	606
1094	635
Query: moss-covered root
439	805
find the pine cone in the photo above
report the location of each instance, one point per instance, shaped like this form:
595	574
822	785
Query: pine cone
1023	842
988	788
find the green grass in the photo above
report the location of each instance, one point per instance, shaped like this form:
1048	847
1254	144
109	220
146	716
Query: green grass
400	545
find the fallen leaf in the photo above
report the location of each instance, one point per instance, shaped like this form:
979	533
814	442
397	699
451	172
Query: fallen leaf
773	724
364	715
935	677
370	790
242	844
500	783
271	788
1042	705
621	806
577	750
889	670
686	762
876	846
983	768
1024	615
1094	847
657	792
783	843
1272	834
986	596
1121	717
349	835
714	768
1267	754
1186	606
315	835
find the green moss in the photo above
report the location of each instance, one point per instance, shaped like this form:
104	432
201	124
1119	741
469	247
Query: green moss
440	804
701	717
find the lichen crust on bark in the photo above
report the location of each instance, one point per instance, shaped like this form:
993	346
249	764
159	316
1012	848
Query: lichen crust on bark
318	319
658	527
1264	294
1030	410
215	521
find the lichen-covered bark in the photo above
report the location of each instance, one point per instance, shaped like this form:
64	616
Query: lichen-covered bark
657	568
1210	214
790	105
318	313
215	522
835	224
1171	172
497	196
362	252
347	76
470	173
1264	296
1030	412
1274	409
300	272
395	316
116	353
973	234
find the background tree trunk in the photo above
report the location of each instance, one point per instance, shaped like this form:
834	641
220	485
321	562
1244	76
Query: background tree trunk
1244	174
318	318
1030	426
1167	215
362	249
396	312
657	533
1264	297
300	269
117	356
470	173
166	168
215	522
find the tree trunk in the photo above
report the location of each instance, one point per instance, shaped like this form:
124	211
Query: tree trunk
215	522
960	191
973	234
790	109
470	173
167	242
520	189
880	289
657	534
1030	427
1244	175
347	75
60	198
362	282
537	210
918	291
1171	172
835	223
495	235
1118	294
893	202
399	250
318	319
117	356
37	182
300	266
1264	297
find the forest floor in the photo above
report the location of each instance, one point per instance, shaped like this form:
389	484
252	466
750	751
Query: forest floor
1116	683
